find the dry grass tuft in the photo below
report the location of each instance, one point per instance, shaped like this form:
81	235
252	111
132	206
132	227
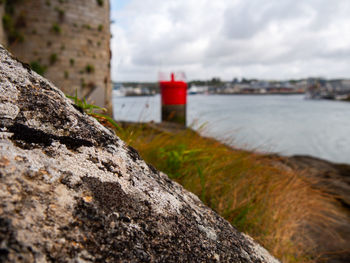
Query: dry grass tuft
257	194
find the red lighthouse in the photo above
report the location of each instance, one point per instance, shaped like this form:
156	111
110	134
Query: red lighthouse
174	96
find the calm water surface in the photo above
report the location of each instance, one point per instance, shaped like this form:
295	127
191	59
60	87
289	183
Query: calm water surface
271	123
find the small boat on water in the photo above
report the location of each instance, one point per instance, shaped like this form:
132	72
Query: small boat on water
120	90
197	90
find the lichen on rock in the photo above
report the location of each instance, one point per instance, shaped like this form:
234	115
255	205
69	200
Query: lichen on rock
72	191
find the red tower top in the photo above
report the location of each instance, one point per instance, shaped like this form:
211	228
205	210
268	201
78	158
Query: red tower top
173	92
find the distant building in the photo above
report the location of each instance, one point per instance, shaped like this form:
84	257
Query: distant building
338	89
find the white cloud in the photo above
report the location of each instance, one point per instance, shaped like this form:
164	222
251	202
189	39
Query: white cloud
231	38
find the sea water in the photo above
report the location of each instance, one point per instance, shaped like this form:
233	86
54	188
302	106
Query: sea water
284	124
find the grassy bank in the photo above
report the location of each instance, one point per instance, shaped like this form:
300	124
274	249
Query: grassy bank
257	194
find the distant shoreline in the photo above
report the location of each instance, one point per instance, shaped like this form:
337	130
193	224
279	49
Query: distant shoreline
263	94
228	94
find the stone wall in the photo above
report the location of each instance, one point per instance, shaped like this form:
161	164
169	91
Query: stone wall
70	41
2	33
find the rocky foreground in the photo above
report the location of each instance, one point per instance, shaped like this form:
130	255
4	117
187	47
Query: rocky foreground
330	177
71	191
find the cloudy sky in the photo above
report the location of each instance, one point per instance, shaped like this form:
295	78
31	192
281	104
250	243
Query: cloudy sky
267	39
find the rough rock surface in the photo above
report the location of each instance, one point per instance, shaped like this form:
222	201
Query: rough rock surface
71	191
334	179
331	177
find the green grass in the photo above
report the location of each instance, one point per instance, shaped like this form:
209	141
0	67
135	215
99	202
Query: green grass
89	69
92	110
38	68
53	58
56	28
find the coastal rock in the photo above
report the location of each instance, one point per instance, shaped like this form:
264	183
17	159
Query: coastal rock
331	177
72	191
334	179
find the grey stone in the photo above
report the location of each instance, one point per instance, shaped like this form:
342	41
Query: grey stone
72	191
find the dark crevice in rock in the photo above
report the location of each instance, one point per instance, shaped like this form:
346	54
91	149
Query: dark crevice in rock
25	65
110	166
107	193
66	179
50	152
80	109
42	103
343	203
5	236
8	240
93	159
133	154
32	136
152	168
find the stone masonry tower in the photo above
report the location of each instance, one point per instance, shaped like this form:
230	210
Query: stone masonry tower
67	41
